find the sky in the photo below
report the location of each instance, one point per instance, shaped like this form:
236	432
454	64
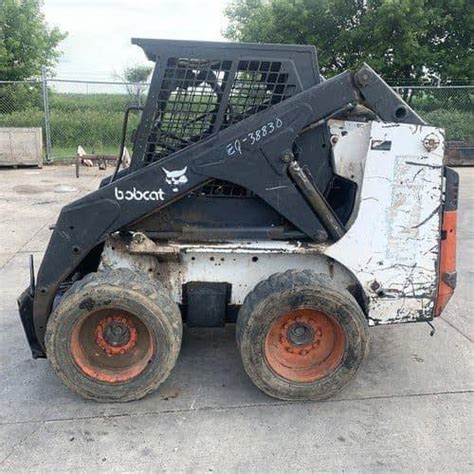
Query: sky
98	45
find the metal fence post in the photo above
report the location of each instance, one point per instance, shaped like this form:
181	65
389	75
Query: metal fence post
47	120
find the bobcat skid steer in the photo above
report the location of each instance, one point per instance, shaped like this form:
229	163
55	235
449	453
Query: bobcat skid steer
304	210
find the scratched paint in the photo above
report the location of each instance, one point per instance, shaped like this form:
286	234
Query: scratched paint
392	247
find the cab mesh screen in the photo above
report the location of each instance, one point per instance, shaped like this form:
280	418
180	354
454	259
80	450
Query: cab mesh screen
199	97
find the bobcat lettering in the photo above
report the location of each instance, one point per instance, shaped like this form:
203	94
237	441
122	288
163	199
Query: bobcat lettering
136	195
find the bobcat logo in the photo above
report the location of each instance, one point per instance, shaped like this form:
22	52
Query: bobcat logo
176	178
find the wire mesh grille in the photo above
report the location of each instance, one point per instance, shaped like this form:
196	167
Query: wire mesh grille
188	104
220	188
256	86
199	97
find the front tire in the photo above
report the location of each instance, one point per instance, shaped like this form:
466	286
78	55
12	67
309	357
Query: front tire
115	336
300	336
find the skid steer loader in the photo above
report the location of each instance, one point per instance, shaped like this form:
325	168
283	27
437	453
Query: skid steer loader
301	209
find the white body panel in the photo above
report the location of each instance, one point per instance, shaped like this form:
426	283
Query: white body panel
390	249
392	246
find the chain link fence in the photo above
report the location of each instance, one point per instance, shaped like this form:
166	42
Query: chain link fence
450	107
90	113
71	113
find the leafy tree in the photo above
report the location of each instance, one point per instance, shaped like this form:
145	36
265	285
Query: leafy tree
26	44
401	39
137	77
138	73
26	41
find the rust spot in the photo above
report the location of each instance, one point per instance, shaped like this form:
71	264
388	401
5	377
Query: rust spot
111	358
312	347
111	323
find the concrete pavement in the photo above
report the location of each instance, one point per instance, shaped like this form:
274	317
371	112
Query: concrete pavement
410	408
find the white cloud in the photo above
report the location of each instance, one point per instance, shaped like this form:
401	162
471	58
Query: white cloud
100	30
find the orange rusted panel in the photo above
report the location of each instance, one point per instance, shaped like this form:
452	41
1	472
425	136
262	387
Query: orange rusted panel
447	261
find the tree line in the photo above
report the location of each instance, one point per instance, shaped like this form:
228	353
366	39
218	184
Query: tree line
403	40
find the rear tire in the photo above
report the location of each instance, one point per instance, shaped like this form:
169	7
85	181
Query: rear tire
300	336
115	336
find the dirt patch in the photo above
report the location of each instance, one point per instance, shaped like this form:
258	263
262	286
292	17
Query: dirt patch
31	189
44	188
169	393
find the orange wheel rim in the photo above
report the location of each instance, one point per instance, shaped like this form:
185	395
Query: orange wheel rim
304	345
111	346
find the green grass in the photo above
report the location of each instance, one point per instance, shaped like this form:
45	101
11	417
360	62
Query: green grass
457	125
95	123
105	103
430	100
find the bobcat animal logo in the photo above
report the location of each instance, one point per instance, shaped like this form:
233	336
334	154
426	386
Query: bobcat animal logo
176	178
